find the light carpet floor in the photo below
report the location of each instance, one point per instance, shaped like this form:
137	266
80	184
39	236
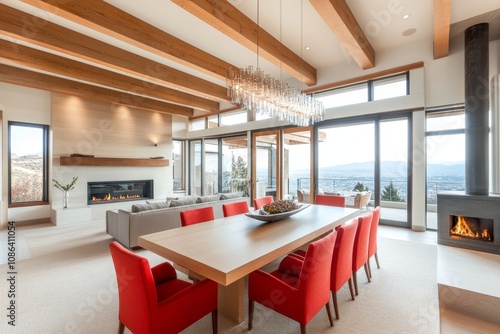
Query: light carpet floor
66	284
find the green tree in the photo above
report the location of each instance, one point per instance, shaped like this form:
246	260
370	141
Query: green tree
390	194
237	179
360	187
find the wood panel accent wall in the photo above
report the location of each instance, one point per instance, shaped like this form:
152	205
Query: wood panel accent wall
105	130
114	135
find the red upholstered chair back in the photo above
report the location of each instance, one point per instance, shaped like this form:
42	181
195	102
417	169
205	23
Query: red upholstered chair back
315	274
136	289
236	208
360	251
331	200
372	245
342	255
196	216
260	202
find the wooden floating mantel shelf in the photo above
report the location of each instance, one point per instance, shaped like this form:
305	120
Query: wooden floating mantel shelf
112	162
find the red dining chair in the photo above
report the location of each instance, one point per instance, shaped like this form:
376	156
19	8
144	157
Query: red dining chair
236	208
196	216
360	249
260	202
342	261
331	200
372	244
153	300
341	271
303	286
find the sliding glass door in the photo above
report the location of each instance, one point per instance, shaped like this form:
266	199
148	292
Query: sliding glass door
297	164
265	164
394	185
368	155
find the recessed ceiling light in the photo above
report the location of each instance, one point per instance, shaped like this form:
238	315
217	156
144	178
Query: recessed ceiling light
409	32
307	48
406	16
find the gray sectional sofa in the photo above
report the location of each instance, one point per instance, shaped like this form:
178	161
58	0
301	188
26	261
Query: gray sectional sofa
155	216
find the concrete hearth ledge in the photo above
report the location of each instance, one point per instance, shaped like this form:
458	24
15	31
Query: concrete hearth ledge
468	282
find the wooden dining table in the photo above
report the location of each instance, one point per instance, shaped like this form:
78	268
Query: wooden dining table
226	250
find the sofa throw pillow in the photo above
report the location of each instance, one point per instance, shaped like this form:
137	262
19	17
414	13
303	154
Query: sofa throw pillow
208	198
231	195
183	201
158	205
141	207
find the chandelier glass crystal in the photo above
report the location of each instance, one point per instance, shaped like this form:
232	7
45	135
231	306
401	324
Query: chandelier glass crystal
257	91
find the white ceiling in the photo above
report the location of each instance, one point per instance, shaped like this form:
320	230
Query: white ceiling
294	22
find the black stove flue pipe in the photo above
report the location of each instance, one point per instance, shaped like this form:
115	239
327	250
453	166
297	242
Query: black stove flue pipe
477	110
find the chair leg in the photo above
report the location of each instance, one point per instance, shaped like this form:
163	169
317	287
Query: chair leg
329	312
350	289
335	305
355	279
367	272
376	259
302	329
250	313
121	328
369	268
214	321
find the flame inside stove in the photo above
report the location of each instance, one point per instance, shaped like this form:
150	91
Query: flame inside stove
108	197
463	229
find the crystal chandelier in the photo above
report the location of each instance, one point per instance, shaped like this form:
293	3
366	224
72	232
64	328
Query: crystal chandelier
266	95
257	91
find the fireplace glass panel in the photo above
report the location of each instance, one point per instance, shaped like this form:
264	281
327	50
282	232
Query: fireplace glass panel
118	191
471	228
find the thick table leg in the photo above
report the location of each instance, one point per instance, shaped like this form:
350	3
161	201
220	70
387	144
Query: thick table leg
231	300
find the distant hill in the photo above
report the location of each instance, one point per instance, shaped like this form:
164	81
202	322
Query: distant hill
390	168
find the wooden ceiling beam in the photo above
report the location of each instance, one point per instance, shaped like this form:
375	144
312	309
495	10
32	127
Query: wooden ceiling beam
22	77
25	56
25	27
232	22
442	21
338	16
105	18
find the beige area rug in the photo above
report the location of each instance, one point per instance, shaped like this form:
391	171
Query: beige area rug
66	284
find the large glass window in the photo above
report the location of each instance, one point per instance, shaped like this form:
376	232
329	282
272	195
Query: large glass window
371	90
233	118
296	174
344	96
346	159
28	161
445	147
178	165
195	167
219	165
390	87
235	164
211	167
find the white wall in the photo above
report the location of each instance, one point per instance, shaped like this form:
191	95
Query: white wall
23	105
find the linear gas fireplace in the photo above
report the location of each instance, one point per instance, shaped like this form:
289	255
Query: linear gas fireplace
119	191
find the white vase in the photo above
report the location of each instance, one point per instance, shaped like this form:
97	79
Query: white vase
65	199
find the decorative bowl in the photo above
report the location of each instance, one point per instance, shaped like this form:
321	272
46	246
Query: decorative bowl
271	217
